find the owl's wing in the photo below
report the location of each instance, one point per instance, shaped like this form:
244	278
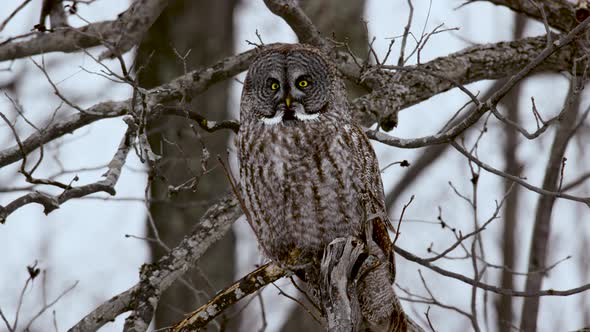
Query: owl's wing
366	170
370	189
377	283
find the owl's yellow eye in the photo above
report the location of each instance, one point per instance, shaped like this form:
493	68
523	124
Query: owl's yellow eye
274	86
303	83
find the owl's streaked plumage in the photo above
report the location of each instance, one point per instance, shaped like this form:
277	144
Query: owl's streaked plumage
308	173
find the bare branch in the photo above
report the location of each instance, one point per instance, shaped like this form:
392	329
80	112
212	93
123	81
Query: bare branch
57	15
157	277
517	179
14	12
55	89
120	34
193	83
498	290
207	125
540	236
60	128
249	284
473	65
472	118
290	11
394	91
401	60
560	13
580	180
401	217
107	185
51	304
338	287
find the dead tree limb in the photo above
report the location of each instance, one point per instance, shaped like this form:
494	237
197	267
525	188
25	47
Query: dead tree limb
252	282
157	277
338	292
107	185
338	287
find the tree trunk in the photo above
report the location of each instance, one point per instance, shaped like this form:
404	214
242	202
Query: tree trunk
542	227
205	28
513	166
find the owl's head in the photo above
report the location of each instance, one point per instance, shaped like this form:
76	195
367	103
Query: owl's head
289	84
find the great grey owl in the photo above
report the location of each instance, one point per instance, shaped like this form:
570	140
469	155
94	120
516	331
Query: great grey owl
309	174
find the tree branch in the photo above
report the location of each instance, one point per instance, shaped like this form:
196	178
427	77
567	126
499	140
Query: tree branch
119	35
412	87
482	108
395	91
409	85
13	13
270	272
157	277
107	185
337	266
252	282
560	13
191	84
541	234
498	290
60	128
338	287
541	191
290	11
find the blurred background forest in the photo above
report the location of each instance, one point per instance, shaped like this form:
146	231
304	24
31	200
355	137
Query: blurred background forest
91	248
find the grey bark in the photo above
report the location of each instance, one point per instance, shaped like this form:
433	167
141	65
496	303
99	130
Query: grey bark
343	267
157	277
341	21
560	13
207	38
337	289
542	227
120	34
429	157
504	305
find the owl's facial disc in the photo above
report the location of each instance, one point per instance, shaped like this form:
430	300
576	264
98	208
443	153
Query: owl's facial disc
289	110
290	100
290	86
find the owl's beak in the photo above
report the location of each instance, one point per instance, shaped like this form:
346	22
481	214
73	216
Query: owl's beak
288	101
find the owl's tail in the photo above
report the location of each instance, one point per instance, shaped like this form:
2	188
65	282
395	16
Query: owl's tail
379	305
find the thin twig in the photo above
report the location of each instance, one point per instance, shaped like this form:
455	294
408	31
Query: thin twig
401	60
401	217
51	304
14	12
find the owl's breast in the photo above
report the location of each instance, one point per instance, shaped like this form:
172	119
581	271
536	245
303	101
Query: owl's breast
299	186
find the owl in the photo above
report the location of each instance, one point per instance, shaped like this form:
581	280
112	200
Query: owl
308	174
